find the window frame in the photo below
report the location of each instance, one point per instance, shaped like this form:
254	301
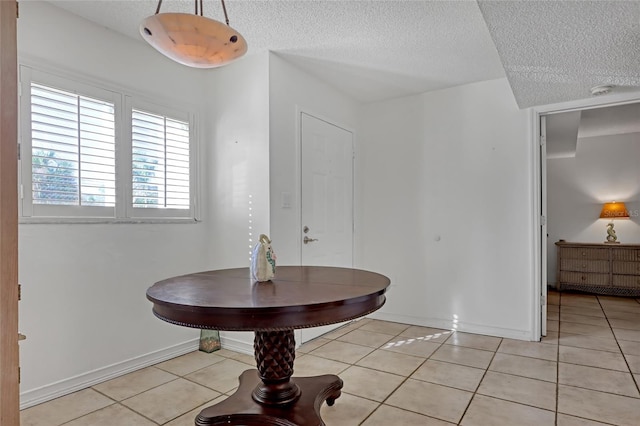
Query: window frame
124	102
143	105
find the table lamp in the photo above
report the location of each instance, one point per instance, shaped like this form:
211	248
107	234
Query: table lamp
612	211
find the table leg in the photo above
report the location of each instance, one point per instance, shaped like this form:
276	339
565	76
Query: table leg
269	396
275	352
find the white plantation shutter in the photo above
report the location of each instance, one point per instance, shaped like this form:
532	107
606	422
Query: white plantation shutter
160	161
90	152
72	149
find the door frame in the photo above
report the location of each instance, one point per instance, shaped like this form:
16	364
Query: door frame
9	352
542	230
299	110
537	193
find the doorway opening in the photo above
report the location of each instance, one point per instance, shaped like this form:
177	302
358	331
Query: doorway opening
586	154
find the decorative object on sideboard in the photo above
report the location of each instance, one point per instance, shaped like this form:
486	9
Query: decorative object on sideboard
263	260
193	40
613	211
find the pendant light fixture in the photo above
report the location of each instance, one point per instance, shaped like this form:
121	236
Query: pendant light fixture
193	40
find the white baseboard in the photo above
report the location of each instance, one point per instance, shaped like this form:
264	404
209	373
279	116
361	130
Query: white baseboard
45	393
459	326
235	344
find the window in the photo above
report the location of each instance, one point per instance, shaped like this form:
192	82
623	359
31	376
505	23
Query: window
160	164
72	149
87	152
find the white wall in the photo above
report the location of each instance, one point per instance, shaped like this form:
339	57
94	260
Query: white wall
604	169
83	305
292	90
238	167
238	163
447	211
442	163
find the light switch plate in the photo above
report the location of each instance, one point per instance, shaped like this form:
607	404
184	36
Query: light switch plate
286	200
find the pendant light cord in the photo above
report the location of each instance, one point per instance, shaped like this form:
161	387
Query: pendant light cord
224	9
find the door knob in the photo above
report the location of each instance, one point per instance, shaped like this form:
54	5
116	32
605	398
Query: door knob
21	336
308	240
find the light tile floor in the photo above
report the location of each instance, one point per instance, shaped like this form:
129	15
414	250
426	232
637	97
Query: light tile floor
585	372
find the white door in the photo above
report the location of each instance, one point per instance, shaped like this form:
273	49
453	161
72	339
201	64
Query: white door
543	225
327	193
326	199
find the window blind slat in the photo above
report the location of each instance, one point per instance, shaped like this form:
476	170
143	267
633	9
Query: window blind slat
145	180
38	137
143	145
52	127
102	153
149	157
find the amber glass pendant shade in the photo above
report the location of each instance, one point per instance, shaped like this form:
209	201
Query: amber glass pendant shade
193	40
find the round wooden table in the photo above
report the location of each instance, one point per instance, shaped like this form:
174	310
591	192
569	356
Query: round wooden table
299	297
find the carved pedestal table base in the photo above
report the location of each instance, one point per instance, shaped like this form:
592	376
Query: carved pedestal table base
275	398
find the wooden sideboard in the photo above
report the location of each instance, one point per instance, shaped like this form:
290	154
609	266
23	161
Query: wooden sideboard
612	269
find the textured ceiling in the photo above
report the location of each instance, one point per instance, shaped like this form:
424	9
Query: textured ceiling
552	51
371	50
555	51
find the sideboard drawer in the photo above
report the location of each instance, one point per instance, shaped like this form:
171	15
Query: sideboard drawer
599	268
586	278
626	254
626	281
584	253
628	268
578	265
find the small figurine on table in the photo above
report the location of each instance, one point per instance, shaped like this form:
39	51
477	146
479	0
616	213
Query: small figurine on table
263	260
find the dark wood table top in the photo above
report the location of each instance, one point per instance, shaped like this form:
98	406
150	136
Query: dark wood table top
298	297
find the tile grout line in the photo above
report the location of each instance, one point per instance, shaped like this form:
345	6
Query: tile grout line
617	342
358	360
475	392
177	377
558	359
624	356
405	380
597	297
227	394
87	414
381	403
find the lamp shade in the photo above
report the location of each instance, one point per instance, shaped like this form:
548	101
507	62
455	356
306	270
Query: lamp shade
193	40
614	211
